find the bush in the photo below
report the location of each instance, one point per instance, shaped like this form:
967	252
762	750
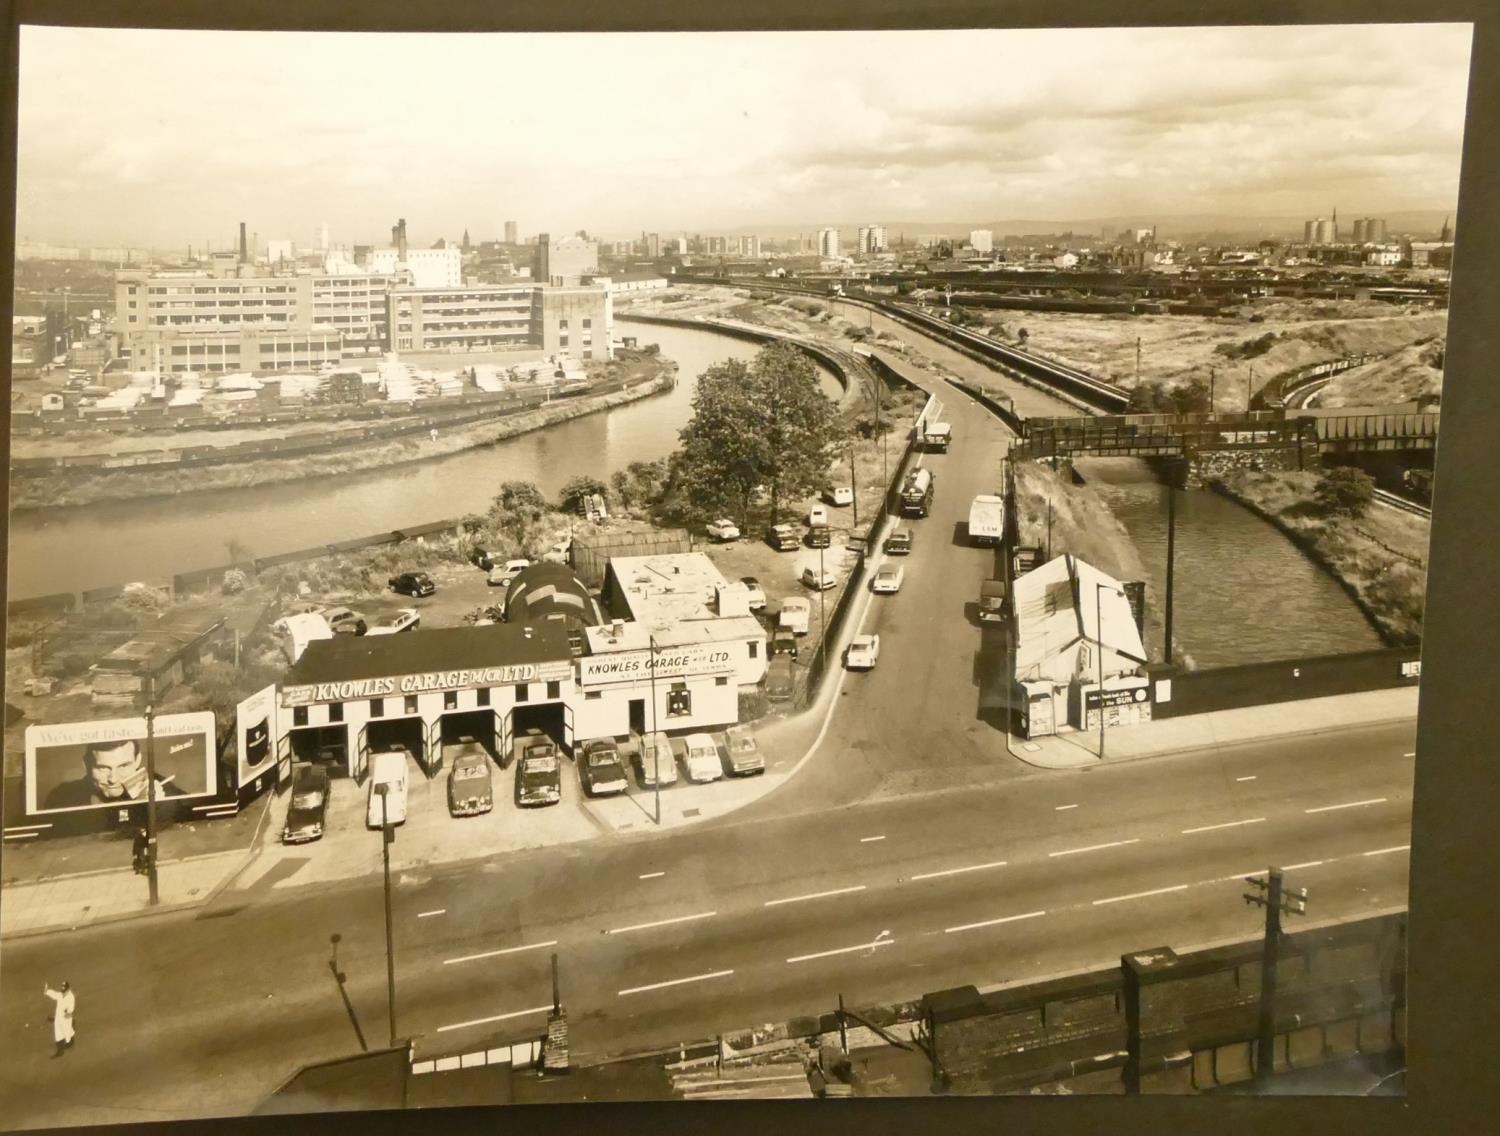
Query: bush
1345	491
753	705
234	582
1249	348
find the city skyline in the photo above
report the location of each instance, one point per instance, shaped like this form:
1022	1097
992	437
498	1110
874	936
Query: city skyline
1251	121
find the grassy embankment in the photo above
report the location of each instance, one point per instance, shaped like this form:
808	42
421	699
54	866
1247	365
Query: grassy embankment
1380	558
89	488
1083	525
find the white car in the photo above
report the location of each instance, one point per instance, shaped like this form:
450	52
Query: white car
888	579
502	574
863	651
723	529
757	597
817	515
654	761
404	620
558	553
838	494
821	580
702	759
795	615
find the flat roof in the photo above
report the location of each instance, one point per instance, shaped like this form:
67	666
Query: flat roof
350	657
667	588
635	636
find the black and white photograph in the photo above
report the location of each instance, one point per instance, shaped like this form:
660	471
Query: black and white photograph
719	566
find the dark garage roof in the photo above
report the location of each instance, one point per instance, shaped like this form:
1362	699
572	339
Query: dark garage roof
349	657
549	589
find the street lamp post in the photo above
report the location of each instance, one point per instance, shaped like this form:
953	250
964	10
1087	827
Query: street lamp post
151	880
386	838
1099	647
822	608
655	749
853	484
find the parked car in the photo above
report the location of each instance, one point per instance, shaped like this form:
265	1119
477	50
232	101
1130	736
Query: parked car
795	614
817	515
308	811
538	775
862	653
838	494
502	574
654	761
723	529
559	552
819	578
819	536
783	538
404	620
784	642
898	543
470	785
345	621
413	584
888	579
779	684
388	768
702	759
482	558
600	767
757	598
296	631
743	751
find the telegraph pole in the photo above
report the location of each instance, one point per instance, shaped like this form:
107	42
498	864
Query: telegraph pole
1099	645
655	750
151	880
1137	360
1171	553
387	836
853	483
1249	379
1211	377
1269	894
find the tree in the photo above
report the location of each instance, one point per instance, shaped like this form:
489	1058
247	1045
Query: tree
1190	397
1345	490
763	424
517	509
640	484
1023	335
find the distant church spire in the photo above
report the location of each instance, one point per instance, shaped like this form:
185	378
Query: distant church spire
1447	233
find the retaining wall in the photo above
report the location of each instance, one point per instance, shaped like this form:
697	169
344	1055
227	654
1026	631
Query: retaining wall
1257	684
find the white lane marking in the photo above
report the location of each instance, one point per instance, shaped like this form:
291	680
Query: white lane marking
1141	894
1060	808
651	876
992	922
675	982
502	951
959	871
1347	805
1309	864
870	839
661	923
1383	851
1096	847
1226	824
497	1018
845	950
814	895
429	914
1250	778
1412	754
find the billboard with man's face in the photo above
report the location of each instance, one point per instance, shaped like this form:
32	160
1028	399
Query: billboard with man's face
89	765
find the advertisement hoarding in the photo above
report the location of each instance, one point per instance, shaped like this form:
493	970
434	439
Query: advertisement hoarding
255	734
1125	697
102	764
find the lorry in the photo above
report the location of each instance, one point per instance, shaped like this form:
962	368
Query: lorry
992	601
936	436
986	519
916	493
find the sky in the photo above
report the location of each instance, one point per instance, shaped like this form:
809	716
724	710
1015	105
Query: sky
165	138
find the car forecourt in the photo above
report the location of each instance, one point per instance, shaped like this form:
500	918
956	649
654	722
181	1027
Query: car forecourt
680	647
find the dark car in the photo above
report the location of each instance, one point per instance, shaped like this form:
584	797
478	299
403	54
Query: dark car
538	775
309	807
413	584
898	543
483	558
600	768
470	791
818	536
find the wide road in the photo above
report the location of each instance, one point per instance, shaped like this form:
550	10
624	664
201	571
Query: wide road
674	937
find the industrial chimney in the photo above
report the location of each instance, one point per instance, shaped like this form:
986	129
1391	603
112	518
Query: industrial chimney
244	250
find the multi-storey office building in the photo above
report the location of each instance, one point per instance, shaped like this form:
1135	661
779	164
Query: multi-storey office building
463	318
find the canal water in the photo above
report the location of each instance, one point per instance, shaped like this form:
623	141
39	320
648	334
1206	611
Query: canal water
94	546
1243	593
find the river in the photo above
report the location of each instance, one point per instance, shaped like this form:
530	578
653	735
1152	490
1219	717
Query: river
92	546
1243	592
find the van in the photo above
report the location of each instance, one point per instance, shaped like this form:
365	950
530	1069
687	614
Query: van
916	493
387	768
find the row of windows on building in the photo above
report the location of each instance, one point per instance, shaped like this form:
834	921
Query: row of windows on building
303	345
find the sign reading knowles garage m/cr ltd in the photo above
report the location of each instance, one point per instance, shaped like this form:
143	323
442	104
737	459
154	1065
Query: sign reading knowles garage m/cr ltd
665	662
351	689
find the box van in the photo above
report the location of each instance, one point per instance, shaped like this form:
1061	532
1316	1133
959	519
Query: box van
387	768
916	494
986	520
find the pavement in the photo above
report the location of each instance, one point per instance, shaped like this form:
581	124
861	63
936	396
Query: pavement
45	900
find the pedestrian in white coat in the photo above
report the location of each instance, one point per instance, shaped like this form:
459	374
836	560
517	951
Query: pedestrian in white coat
62	1017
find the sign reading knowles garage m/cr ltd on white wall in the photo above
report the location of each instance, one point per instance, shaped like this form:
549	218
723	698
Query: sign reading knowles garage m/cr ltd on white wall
425	682
665	662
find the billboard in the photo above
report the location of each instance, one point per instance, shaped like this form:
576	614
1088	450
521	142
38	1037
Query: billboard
255	734
1115	697
72	766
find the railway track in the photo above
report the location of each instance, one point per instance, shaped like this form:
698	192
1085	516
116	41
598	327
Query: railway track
1396	501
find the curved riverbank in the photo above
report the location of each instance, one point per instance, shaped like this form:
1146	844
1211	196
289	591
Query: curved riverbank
1389	587
126	485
